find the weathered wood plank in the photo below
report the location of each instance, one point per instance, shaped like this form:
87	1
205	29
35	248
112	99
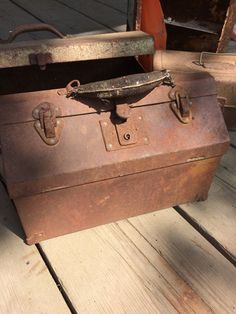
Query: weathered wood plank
26	285
233	138
227	168
208	273
12	16
104	15
63	18
120	271
216	216
120	5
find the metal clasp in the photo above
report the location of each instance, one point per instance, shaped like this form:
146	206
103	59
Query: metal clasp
181	106
123	111
47	124
130	133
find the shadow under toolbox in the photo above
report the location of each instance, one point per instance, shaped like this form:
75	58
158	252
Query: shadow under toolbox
72	163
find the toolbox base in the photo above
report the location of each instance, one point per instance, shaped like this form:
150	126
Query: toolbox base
56	213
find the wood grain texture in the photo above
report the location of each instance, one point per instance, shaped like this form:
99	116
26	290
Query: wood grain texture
153	263
227	169
192	257
233	138
12	16
120	5
63	18
102	14
26	285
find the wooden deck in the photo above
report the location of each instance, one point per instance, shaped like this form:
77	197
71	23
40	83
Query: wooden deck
177	260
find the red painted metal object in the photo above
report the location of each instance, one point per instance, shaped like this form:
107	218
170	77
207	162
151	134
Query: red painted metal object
196	25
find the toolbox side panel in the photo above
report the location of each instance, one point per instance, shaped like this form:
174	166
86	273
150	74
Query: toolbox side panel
59	212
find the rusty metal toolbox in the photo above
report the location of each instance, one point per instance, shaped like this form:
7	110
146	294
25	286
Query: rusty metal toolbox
72	163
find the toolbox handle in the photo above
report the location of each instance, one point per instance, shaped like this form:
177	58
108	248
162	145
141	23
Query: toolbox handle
217	61
26	28
120	87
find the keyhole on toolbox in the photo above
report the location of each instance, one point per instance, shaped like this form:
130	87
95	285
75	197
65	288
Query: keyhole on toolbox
127	136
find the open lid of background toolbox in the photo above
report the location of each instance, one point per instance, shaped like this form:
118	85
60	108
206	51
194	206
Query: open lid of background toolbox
82	154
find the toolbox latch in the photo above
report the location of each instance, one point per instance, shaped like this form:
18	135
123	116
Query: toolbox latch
181	106
123	111
120	135
48	125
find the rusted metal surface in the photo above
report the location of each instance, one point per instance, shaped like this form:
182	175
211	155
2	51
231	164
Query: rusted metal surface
123	110
56	213
86	158
105	169
26	28
18	108
222	62
122	135
182	104
40	59
47	125
77	48
221	66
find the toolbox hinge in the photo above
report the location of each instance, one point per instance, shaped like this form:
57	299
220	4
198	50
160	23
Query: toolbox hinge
40	59
48	125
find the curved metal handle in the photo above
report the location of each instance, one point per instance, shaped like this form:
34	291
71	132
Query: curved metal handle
120	87
26	28
217	61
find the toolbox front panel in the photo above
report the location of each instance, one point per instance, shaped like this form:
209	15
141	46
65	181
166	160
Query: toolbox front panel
68	210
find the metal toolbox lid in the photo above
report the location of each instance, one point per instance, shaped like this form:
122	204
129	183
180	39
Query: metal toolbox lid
81	155
74	48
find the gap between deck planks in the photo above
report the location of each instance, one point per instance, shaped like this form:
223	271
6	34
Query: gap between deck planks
155	263
26	285
120	5
73	17
217	215
104	15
